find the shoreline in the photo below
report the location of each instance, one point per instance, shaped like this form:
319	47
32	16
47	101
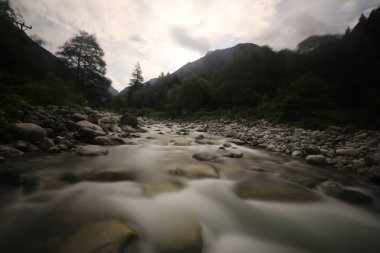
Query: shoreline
61	128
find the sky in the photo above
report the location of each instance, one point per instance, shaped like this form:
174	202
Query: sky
163	35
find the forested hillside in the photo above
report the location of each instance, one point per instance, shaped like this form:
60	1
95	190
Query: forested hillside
31	74
329	79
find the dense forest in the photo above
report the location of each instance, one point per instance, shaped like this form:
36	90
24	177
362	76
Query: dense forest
328	79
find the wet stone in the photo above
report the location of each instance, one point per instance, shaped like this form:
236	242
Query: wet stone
271	190
333	189
107	236
203	156
91	150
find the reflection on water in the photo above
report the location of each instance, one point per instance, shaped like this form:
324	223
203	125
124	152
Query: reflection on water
40	220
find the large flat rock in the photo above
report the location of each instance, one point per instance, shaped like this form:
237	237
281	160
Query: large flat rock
108	236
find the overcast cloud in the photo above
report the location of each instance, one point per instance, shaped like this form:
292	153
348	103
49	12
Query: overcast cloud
163	35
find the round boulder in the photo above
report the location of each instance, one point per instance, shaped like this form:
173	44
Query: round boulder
29	132
316	159
108	236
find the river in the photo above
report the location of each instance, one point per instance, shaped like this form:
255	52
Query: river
166	207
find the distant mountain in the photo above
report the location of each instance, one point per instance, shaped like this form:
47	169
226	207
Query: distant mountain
113	91
206	65
124	91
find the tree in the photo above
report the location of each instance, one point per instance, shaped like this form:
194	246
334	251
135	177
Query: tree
137	78
7	14
83	54
135	85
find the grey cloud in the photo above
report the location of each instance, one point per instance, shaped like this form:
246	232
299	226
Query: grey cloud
136	38
183	38
289	31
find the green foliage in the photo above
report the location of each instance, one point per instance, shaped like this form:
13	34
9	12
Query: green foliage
329	79
51	91
83	56
189	96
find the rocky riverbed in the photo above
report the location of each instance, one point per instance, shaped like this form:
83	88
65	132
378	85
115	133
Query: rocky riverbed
82	180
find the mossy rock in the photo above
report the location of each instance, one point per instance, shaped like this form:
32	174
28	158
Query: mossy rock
161	187
196	171
108	236
273	190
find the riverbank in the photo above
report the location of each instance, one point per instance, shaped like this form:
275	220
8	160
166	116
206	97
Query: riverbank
66	129
168	186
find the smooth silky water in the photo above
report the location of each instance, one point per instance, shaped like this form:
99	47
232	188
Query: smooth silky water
40	218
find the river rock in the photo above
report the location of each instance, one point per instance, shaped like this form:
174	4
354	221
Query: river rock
333	189
10	151
91	150
238	142
203	156
129	120
29	132
179	143
108	236
311	150
177	233
89	125
227	145
234	154
372	160
154	189
106	140
79	117
316	159
347	152
111	175
207	141
266	189
46	143
197	171
21	145
131	142
2	159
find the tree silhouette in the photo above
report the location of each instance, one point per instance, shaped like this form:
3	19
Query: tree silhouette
137	78
83	54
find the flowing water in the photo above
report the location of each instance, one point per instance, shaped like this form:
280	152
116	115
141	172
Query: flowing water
161	206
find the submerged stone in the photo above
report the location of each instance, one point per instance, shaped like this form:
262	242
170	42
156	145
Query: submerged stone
333	189
203	156
233	154
91	150
274	190
108	236
196	171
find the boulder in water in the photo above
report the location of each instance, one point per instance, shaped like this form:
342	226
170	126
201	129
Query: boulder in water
91	150
333	189
266	189
112	175
196	171
235	154
316	159
9	151
108	236
203	156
